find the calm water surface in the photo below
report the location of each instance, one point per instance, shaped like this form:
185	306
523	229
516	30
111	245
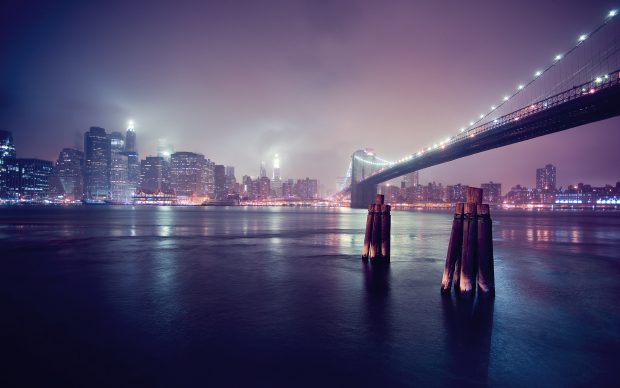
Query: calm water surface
279	297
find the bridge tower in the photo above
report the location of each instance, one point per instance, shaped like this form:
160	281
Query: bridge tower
363	164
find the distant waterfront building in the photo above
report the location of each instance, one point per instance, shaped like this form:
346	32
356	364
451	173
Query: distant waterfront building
219	173
152	174
133	171
276	181
67	180
28	179
307	188
7	151
546	178
263	190
187	174
491	192
209	170
456	193
97	160
130	138
263	170
412	179
120	191
231	180
519	195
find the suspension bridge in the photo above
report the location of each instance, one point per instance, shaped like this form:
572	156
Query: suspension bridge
577	87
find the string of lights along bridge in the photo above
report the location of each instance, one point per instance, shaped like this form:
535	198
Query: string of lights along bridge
579	85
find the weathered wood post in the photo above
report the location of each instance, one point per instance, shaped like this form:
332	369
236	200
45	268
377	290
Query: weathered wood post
469	266
486	275
375	241
368	234
385	231
455	247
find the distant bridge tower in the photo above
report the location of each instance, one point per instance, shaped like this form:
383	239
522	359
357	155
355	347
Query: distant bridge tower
364	163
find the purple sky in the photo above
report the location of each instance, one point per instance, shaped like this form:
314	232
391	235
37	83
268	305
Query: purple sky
311	80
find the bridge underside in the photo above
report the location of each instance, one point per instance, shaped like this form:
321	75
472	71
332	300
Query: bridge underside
362	194
584	110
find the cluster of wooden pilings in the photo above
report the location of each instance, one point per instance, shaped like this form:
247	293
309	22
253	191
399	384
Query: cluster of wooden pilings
377	236
470	252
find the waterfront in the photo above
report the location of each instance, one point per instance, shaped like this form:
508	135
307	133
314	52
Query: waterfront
279	296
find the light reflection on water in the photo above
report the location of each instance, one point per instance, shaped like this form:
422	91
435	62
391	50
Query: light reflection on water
272	294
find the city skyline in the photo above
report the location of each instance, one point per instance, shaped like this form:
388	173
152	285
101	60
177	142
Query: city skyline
304	95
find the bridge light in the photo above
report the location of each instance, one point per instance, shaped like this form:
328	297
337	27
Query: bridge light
492	107
538	73
582	37
598	80
495	121
471	123
506	98
613	13
558	57
481	115
462	129
447	139
520	87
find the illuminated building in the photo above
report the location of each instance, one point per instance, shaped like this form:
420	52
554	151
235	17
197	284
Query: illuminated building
264	188
219	173
28	179
231	180
97	159
263	170
67	180
456	193
187	174
307	188
164	149
152	174
546	178
491	192
412	179
7	151
276	181
130	138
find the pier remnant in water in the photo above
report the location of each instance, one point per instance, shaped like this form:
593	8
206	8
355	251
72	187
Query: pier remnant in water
377	235
469	261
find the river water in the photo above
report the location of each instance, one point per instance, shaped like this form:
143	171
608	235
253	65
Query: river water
279	297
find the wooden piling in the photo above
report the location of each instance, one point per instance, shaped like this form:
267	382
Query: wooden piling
368	234
375	241
474	195
467	280
379	199
385	231
486	275
455	247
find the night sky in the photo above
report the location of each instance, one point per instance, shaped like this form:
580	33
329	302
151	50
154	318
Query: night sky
311	80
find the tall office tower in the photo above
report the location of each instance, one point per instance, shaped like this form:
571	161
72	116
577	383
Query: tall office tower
546	178
219	174
164	149
130	138
492	192
119	187
152	174
187	174
209	170
246	186
412	179
231	180
263	170
7	151
133	171
97	160
264	187
28	179
276	181
67	179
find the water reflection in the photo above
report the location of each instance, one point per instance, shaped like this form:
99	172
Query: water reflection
468	326
377	285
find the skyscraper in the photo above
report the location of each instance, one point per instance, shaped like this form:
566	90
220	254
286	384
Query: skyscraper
164	149
151	174
492	192
97	160
230	178
187	174
7	151
276	181
120	190
263	170
219	174
67	179
28	179
412	179
546	178
130	138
